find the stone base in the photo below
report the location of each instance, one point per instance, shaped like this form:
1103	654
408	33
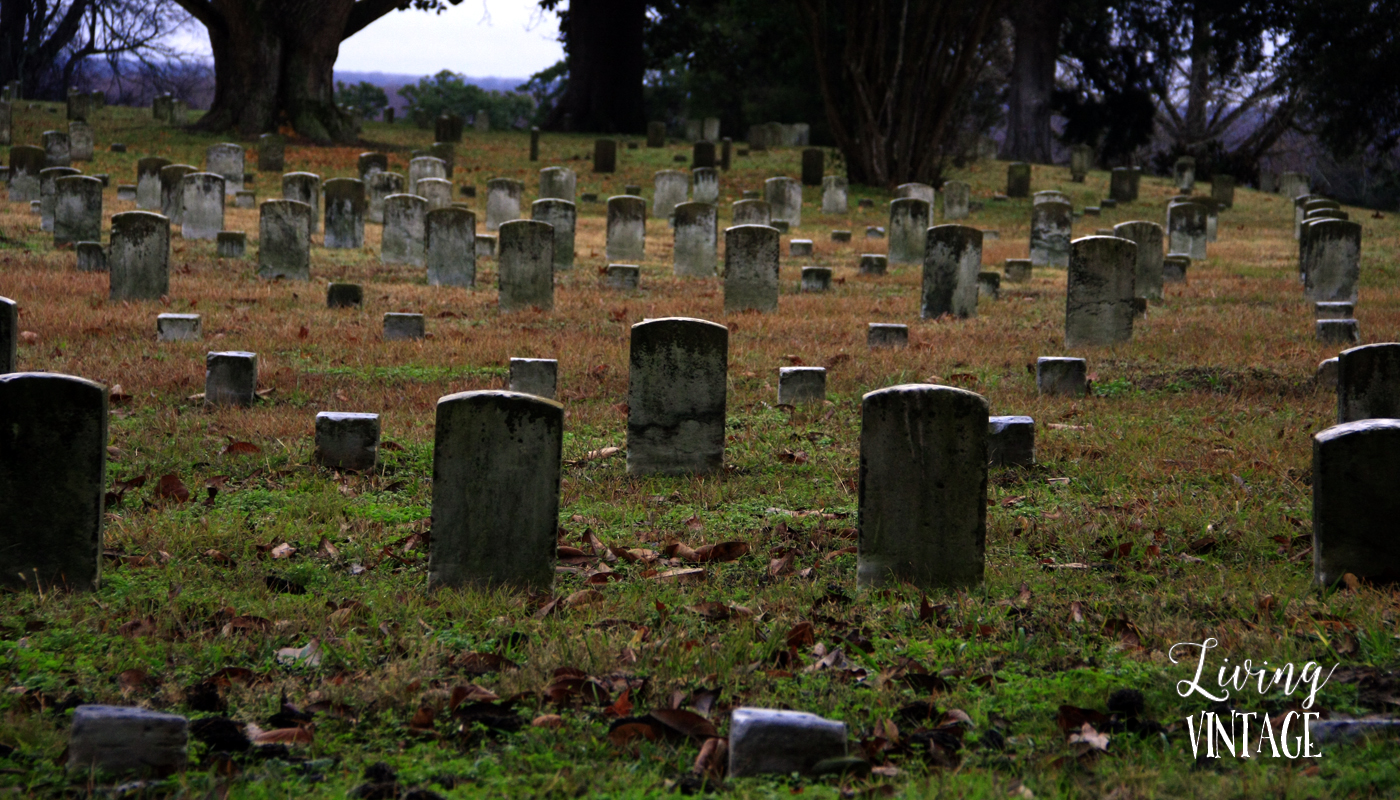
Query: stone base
766	741
179	328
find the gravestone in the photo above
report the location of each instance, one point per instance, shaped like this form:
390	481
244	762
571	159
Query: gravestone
1333	261
873	264
78	105
919	191
25	165
705	185
1080	158
840	236
346	440
816	279
202	205
284	240
231	377
179	328
502	201
1018	179
536	376
345	213
425	167
692	130
447	152
405	218
1326	375
1120	185
1293	184
1186	229
380	185
1017	270
447	128
702	154
344	295
801	385
525	277
765	741
562	216
48	193
245	199
1099	292
1010	441
56	149
304	187
676	397
92	257
485	246
752	212
1066	377
989	285
370	163
656	134
952	260
670	191
1051	223
53	474
784	196
401	327
710	129
1148	238
1174	268
1184	174
272	153
726	146
496	469
813	166
437	191
77	210
622	277
1337	331
120	740
750	268
1051	196
6	122
481	121
694	254
910	218
1222	190
605	155
230	244
957	199
80	143
558	183
1368	382
226	160
627	228
138	262
886	335
1355	505
800	248
923	487
834	195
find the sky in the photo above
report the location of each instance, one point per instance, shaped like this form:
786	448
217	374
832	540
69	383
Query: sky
478	38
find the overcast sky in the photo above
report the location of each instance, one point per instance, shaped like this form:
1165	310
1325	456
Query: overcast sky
480	38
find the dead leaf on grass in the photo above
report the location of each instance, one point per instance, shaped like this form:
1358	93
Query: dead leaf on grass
239	449
170	487
309	655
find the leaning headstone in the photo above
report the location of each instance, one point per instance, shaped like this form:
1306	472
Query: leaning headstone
231	377
346	440
119	740
1010	441
25	165
834	197
1080	157
138	264
952	260
1120	185
496	469
401	327
1018	179
750	268
671	187
56	148
886	335
1099	292
1355	504
272	153
1018	270
52	480
80	143
344	295
202	205
502	201
304	187
404	232
1061	376
605	155
345	213
1051	223
178	328
378	186
813	166
705	185
525	276
801	385
784	196
230	244
694	254
437	191
172	191
92	256
77	210
562	216
1184	174
48	193
284	240
816	279
1148	238
957	200
627	228
1368	382
1332	260
910	218
656	134
536	376
873	264
1187	229
557	182
752	212
676	397
765	741
923	487
227	160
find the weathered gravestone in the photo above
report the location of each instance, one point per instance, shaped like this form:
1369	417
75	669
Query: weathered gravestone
1120	184
656	134
80	142
989	285
447	153
1368	382
148	182
709	128
1184	174
1337	331
405	217
345	213
25	165
1332	260
956	200
77	210
1081	157
447	128
875	263
56	148
304	187
344	295
705	185
502	201
1051	223
695	252
627	228
1355	468
172	191
284	240
485	246
450	247
815	279
370	163
1061	376
496	466
231	377
622	277
1186	229
1293	184
562	216
1222	190
401	327
230	244
750	268
138	264
437	191
92	256
910	218
752	212
272	153
1018	179
919	191
559	183
952	260
1100	291
53	463
119	740
670	191
1010	441
48	193
800	248
1017	270
380	185
425	167
834	195
1148	238
536	376
923	487
784	196
813	166
765	741
605	155
801	385
676	396
201	205
347	440
886	335
226	160
179	328
525	277
6	120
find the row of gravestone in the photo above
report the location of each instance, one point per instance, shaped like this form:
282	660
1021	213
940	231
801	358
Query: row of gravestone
1329	266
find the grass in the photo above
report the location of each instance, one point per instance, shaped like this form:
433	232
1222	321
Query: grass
1182	482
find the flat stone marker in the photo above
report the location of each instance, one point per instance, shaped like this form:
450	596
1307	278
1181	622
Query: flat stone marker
952	261
1186	229
989	285
605	155
1334	310
48	193
1326	375
910	218
485	246
202	205
502	201
525	277
923	487
694	253
380	185
345	213
425	167
1148	238
9	334
705	185
873	264
957	200
77	213
886	334
1174	268
536	376
1018	179
1338	331
834	195
816	279
57	149
1017	270
801	385
676	397
179	328
26	162
226	159
1354	472
1368	382
344	295
245	198
750	268
231	244
405	221
622	277
138	264
562	216
752	212
1010	441
1051	223
450	247
1100	291
1333	259
496	465
92	256
53	475
784	196
347	440
627	230
1066	377
272	153
400	327
799	248
230	378
671	188
284	240
766	741
121	739
918	191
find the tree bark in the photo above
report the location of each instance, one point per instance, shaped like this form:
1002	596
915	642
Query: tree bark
603	39
1037	25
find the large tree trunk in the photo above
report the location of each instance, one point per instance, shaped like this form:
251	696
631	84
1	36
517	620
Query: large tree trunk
1037	25
603	39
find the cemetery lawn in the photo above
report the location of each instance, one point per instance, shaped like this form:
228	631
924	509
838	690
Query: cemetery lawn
1171	505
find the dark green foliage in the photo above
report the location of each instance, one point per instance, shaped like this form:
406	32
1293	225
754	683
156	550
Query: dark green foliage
1345	54
449	93
368	98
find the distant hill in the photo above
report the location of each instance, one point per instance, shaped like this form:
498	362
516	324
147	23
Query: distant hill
390	83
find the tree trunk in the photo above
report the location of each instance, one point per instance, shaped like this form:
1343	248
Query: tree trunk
603	39
1195	133
1037	24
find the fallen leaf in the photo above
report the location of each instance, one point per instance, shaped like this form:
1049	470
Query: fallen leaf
622	706
793	457
685	723
801	635
724	551
297	735
483	663
423	718
584	597
171	487
116	396
309	656
680	575
1076	611
550	721
627	732
283	550
240	448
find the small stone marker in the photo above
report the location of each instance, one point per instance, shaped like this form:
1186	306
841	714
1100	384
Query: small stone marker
121	739
345	213
245	198
886	334
784	196
525	277
1051	223
304	187
451	246
957	200
622	277
1186	229
138	264
705	185
485	246
766	741
1061	376
923	487
202	205
399	327
405	221
1120	185
873	264
272	153
92	256
1338	331
52	479
1148	238
801	385
752	212
694	253
558	183
676	397
1174	268
633	189
1010	441
496	465
502	201
347	440
1333	261
813	166
380	185
1018	270
77	210
605	155
1100	291
989	285
750	268
26	163
952	259
799	248
816	279
1355	504
178	328
1326	375
536	376
231	244
627	229
1334	310
840	236
834	195
230	378
344	295
1368	382
562	216
1018	179
1184	173
284	240
226	160
910	219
